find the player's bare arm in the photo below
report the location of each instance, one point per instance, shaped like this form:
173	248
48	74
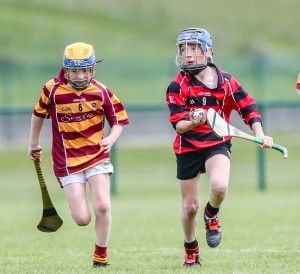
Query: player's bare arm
196	117
258	131
108	141
35	150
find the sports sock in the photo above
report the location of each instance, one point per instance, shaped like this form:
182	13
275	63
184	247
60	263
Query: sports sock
192	247
100	254
210	211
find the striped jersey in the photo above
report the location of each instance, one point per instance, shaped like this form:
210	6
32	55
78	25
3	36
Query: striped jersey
298	84
186	92
78	119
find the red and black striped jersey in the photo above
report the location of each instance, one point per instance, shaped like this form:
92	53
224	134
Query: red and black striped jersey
186	93
78	119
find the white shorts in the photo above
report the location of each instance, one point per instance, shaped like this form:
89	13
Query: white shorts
81	177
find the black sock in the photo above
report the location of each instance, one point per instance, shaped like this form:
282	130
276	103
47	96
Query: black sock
191	245
191	248
210	211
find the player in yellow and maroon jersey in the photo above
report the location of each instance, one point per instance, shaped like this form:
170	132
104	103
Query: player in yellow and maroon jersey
298	84
78	106
199	86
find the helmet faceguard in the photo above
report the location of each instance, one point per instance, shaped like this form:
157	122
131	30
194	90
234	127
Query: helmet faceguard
79	57
201	38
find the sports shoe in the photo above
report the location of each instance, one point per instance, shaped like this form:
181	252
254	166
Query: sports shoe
213	231
192	260
101	264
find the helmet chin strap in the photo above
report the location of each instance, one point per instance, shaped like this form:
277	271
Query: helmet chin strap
194	70
78	87
198	68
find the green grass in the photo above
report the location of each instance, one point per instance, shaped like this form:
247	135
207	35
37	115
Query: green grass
256	41
259	228
137	41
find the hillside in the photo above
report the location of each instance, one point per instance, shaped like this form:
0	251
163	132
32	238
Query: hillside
257	41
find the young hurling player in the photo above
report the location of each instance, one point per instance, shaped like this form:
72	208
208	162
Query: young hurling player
298	84
201	84
78	106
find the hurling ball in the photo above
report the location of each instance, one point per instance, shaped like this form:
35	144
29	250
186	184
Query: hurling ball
198	112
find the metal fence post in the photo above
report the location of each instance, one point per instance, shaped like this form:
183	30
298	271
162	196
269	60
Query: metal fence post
259	63
261	170
261	160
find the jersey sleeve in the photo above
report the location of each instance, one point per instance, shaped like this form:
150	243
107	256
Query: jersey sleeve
176	102
43	105
244	103
114	110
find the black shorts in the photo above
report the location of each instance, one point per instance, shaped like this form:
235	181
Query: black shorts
191	163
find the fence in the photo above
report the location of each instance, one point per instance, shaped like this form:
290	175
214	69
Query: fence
150	126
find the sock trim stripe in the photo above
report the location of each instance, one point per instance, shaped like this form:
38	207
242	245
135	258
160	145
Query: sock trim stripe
192	250
99	259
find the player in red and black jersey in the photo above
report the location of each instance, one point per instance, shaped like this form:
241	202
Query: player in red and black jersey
201	85
78	106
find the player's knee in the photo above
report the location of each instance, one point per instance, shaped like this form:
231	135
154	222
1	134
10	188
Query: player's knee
82	220
102	208
190	209
219	188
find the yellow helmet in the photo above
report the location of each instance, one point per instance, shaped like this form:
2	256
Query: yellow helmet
79	56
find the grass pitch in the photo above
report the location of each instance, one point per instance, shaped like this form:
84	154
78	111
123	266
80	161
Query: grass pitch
260	229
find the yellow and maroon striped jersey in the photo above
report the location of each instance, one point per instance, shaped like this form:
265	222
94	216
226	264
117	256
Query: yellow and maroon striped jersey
185	93
298	84
78	119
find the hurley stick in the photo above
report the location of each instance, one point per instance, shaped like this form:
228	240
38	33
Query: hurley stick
222	129
50	221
